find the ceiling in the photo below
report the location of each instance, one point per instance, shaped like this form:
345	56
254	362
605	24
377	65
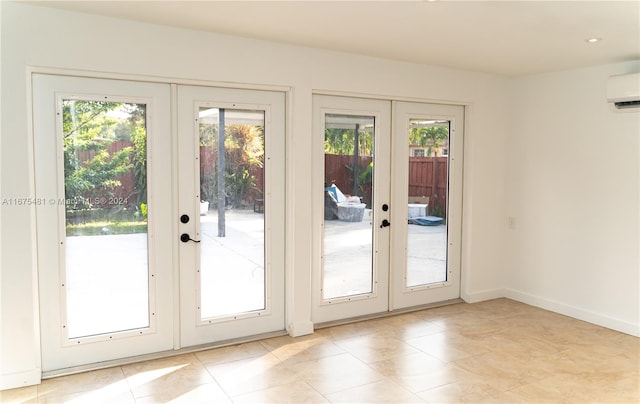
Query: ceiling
503	37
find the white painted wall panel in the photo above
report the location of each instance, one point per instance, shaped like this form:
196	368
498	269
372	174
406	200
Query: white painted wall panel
573	188
41	37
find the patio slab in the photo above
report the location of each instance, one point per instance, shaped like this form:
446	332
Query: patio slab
107	277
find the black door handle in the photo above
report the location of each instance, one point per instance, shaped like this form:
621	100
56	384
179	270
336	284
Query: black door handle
184	237
385	223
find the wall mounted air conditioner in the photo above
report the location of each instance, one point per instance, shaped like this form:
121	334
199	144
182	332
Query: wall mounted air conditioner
623	91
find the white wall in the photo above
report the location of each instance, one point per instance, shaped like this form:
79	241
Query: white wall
573	188
41	37
0	195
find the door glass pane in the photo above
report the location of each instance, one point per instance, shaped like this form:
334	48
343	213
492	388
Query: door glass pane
348	236
105	184
427	211
232	194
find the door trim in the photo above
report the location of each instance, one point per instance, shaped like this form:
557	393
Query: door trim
143	78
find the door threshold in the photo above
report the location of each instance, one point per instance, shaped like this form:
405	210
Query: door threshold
235	341
386	314
157	355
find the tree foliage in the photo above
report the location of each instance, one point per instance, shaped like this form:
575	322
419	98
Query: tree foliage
245	149
342	142
431	137
91	126
139	157
244	154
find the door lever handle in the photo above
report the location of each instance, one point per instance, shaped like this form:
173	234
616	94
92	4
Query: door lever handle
184	237
385	223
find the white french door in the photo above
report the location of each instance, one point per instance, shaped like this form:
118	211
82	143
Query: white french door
104	221
351	204
427	203
130	263
231	208
388	205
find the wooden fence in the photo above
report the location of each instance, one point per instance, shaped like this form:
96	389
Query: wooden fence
208	161
427	177
124	194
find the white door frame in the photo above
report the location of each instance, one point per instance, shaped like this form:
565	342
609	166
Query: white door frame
390	243
271	319
164	226
57	351
400	295
325	310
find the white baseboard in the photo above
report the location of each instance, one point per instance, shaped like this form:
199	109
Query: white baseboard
483	295
20	379
575	312
300	328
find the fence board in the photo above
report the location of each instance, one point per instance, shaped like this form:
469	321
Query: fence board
338	171
126	190
428	177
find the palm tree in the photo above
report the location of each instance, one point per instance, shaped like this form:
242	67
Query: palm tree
431	137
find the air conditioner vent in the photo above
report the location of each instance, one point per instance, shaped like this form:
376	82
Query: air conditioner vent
627	104
623	91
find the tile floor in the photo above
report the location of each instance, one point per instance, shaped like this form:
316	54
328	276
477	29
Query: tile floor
494	351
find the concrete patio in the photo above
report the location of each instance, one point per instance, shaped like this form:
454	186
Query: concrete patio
107	284
348	256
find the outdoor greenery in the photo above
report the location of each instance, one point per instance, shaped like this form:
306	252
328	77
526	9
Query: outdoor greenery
430	137
342	142
139	157
92	172
244	156
364	178
106	227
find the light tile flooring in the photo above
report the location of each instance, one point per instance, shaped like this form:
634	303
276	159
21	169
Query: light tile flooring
494	351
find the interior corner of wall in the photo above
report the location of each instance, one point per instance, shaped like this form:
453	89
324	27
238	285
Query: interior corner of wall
481	296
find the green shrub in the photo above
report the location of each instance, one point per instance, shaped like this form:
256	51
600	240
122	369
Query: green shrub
106	228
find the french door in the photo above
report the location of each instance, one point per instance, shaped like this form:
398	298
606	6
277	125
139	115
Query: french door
427	199
388	205
352	202
231	208
151	239
104	218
